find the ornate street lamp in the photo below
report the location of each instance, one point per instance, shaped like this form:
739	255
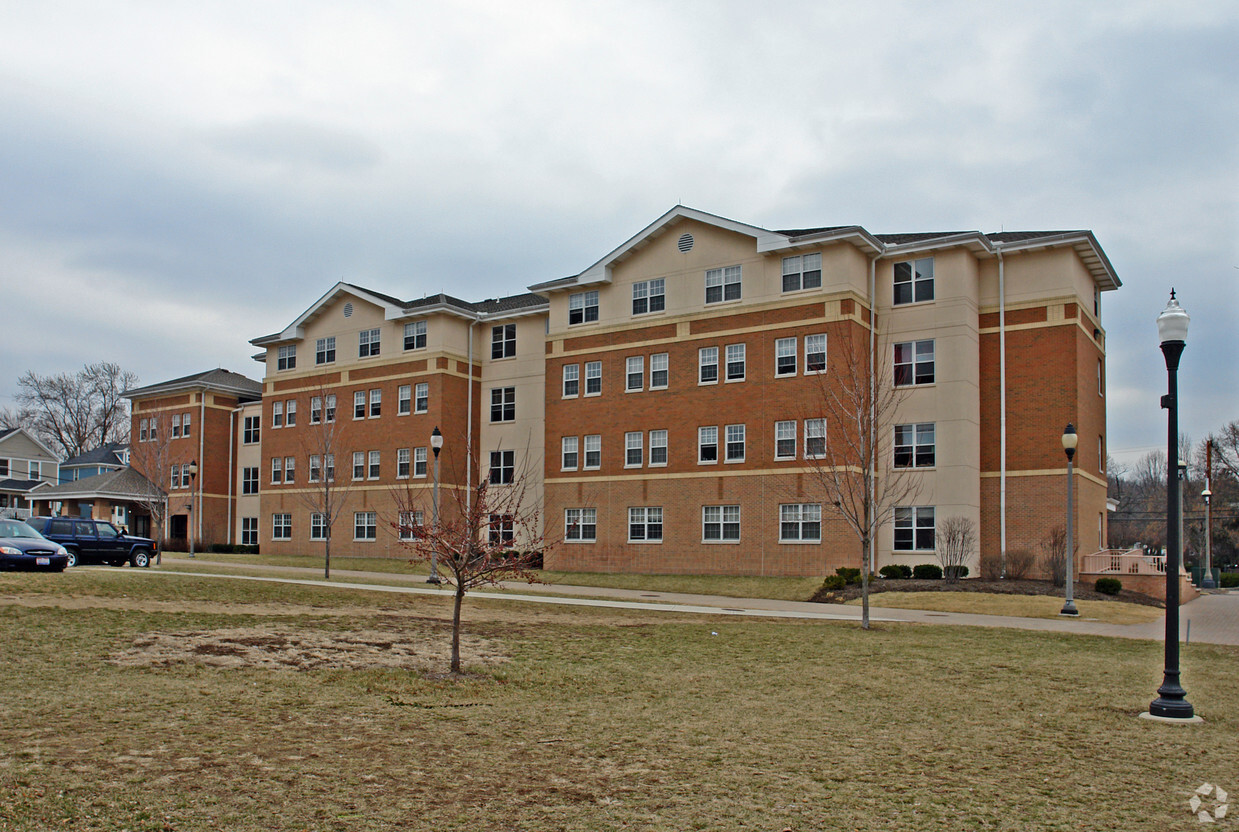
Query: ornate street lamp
193	480
1171	702
1207	581
436	444
1069	446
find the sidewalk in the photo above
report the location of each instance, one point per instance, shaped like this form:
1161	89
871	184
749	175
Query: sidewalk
1212	618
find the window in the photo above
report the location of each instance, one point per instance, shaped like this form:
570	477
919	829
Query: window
402	463
582	308
372	472
914	528
315	468
287	357
290	466
316	410
331	408
814	438
365	525
249	531
359	404
290	414
735	443
277	414
501	530
659	370
633	451
367	343
593	378
175	480
330	465
141	431
404	399
722	284
419	462
503	404
415	335
186	474
802	272
410	523
249	480
281	527
658	447
635	372
502	467
154	430
785	356
720	524
735	362
176	426
1101	380
707	364
572	380
914	363
376	403
914	281
421	397
800	523
1101	454
580	525
815	353
649	296
707	445
568	453
325	350
318	526
185	424
277	470
359	465
645	524
785	440
503	341
593	452
914	445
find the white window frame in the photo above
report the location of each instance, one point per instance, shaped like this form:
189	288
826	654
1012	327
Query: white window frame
316	410
329	408
658	440
376	403
421	397
785	358
282	522
404	400
403	463
918	519
584	307
649	296
910	275
785	431
286	358
806	269
707	357
647	522
910	439
290	414
571	375
579	522
569	445
419	461
660	362
733	435
634	374
811	343
359	405
814	431
365	526
359	465
802	516
277	414
707	437
634	440
415	336
369	342
721	516
409	520
592	447
374	465
726	283
318	526
593	372
736	354
325	350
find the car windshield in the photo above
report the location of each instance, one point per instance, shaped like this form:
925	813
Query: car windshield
16	528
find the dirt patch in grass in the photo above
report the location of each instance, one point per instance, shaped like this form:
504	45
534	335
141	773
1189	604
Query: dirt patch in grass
275	648
1009	587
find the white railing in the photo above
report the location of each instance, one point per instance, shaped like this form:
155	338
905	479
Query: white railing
15	513
1124	562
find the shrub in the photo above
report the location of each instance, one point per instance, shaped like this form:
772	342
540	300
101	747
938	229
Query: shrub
954	573
848	574
1229	580
895	571
1108	586
927	572
833	583
1019	563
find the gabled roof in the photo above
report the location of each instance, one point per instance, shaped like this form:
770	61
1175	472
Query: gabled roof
108	454
9	432
125	484
218	380
881	245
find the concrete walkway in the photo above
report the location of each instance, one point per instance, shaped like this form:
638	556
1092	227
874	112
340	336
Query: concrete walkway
1212	618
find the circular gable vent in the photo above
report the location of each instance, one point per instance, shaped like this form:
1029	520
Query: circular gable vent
348	309
686	242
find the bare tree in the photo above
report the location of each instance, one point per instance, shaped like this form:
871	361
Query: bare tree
319	443
1054	555
484	536
859	399
956	541
151	457
76	412
1226	448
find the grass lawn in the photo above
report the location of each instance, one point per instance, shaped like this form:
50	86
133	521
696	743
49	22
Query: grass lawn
141	701
1025	606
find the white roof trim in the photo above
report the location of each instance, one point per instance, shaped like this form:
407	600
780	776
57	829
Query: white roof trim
35	440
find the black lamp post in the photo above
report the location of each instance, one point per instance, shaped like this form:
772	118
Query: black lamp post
1171	701
1069	446
436	444
193	481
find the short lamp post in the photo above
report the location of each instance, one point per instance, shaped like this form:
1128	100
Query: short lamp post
1207	581
193	481
436	444
1070	439
1171	702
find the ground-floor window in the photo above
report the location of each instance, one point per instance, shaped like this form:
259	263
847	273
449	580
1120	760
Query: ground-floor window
502	530
318	526
410	523
249	531
365	525
914	528
281	527
800	523
581	525
720	524
645	524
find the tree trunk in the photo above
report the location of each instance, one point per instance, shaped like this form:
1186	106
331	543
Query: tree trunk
864	584
460	596
327	557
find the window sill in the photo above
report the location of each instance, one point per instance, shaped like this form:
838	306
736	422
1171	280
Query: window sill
817	542
645	542
720	542
734	380
634	389
592	540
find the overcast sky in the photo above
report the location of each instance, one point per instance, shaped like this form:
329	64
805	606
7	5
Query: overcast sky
179	177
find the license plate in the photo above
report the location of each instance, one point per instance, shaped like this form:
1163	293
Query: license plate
43	561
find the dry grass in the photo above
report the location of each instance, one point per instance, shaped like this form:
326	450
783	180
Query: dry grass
577	720
1024	606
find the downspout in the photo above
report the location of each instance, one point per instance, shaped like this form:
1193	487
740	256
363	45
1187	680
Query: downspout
201	462
1002	412
469	428
873	409
232	429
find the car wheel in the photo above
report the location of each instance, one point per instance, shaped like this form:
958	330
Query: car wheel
141	559
72	557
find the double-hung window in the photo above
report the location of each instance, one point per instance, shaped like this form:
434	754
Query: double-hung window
633	452
359	465
707	445
277	471
286	358
316	410
649	296
290	467
582	307
249	480
707	365
185	423
421	397
249	531
914	363
376	403
410	523
402	463
800	523
359	404
914	445
318	526
814	438
281	527
502	467
329	467
142	432
635	369
815	353
419	462
503	341
593	378
572	380
404	399
365	525
658	447
785	440
720	524
914	528
186	473
373	472
735	362
325	350
645	524
593	452
315	468
580	525
503	404
722	284
785	356
914	281
568	452
253	430
367	343
735	443
501	530
174	480
277	414
660	363
290	414
176	426
415	335
803	271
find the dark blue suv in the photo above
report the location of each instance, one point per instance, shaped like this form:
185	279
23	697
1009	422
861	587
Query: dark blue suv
94	541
